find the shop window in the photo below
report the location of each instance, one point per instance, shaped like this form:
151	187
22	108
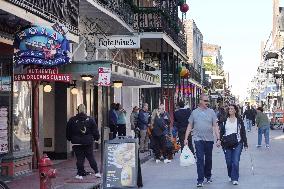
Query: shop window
22	119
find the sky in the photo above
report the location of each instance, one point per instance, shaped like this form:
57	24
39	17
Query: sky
238	26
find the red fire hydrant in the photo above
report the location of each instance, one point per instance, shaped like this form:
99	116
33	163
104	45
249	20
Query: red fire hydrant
46	172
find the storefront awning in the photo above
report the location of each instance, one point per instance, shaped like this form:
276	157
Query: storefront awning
129	75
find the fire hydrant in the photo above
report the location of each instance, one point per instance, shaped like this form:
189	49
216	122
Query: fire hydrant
46	172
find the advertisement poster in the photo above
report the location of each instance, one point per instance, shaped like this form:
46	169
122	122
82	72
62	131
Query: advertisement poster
104	76
3	129
5	83
120	165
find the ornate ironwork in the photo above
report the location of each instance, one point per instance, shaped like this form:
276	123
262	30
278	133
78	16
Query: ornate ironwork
121	8
154	19
194	74
62	11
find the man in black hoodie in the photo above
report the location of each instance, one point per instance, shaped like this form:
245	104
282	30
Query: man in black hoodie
181	121
82	130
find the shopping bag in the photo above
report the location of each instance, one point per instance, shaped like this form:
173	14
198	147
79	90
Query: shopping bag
186	157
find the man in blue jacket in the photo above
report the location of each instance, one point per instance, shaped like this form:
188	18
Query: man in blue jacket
143	124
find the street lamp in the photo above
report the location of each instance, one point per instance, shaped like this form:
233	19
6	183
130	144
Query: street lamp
140	54
47	88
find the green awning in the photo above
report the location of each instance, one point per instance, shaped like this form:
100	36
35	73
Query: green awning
84	67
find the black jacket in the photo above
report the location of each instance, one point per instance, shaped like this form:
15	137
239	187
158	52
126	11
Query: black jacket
241	130
82	129
181	117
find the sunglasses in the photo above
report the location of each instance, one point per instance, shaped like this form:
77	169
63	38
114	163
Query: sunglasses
206	100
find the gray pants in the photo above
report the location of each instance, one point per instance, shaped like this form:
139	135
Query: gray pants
144	140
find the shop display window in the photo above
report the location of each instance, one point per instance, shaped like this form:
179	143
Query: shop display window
22	116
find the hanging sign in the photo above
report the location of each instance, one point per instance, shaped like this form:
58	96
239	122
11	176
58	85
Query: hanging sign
118	42
43	74
42	46
104	76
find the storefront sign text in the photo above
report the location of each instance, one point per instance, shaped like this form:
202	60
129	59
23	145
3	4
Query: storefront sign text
118	42
66	78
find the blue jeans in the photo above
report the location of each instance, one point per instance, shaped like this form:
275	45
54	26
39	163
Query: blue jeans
203	151
232	160
263	130
249	124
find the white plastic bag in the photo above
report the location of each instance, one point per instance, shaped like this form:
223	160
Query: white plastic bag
186	157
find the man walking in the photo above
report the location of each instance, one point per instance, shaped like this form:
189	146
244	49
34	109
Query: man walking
143	124
203	120
181	117
82	131
248	116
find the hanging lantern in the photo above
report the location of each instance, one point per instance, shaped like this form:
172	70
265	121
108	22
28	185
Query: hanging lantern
184	8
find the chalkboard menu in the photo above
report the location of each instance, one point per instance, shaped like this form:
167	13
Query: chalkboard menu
3	129
120	163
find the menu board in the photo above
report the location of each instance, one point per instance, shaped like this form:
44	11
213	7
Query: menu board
120	164
3	129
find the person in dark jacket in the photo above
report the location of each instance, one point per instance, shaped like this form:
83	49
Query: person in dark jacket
160	133
112	116
181	117
249	116
143	124
82	131
233	124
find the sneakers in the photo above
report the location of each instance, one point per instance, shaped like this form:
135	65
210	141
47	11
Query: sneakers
199	184
235	182
230	180
167	161
98	175
158	161
258	146
267	146
209	180
79	177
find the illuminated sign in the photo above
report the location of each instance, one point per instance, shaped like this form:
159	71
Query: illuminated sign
42	46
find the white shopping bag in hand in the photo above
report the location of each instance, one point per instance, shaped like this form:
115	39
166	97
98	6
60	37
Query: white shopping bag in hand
186	157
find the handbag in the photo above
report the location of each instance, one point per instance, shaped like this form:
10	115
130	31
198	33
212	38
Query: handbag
230	141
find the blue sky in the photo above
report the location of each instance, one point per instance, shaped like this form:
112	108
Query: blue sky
238	26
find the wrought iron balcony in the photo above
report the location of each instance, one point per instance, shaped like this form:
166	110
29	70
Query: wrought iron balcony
62	11
194	74
121	8
154	19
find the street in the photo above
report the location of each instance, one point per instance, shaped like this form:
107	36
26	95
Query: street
259	168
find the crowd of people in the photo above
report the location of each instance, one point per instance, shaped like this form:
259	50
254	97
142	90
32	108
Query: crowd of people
160	130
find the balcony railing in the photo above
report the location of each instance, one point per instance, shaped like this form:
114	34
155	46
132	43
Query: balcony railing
153	19
121	8
194	74
65	12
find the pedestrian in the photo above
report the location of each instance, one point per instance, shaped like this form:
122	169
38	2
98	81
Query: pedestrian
143	124
248	116
263	125
221	116
121	120
82	131
254	112
181	117
160	134
112	117
233	127
134	118
204	122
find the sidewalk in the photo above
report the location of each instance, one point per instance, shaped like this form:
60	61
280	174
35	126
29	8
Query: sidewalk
66	172
259	168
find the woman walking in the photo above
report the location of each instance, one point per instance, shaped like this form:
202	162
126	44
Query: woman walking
233	137
262	123
160	133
